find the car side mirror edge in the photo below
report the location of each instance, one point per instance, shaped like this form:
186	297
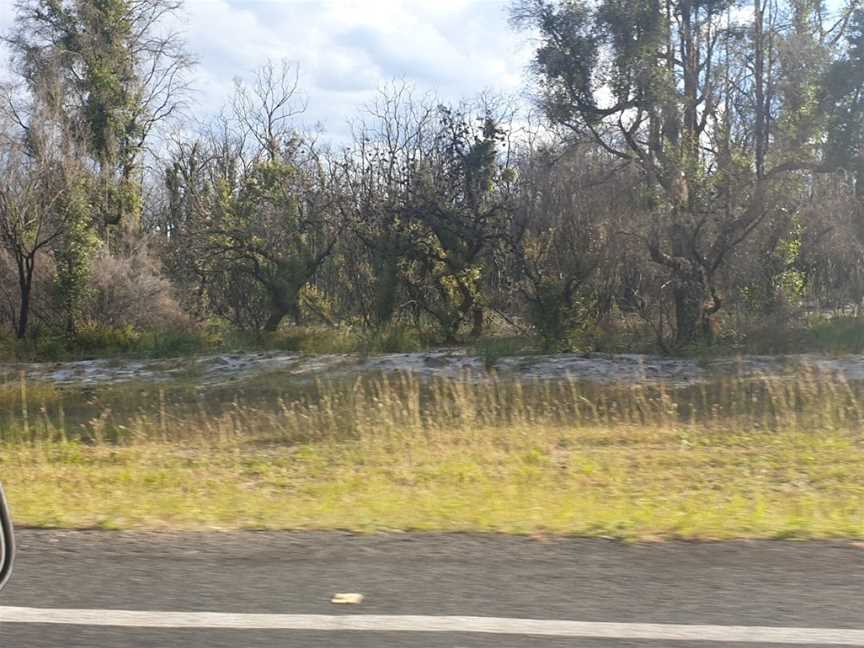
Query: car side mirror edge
7	541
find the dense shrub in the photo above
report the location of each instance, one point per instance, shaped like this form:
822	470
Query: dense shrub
128	290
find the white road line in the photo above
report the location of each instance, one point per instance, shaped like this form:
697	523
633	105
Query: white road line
410	623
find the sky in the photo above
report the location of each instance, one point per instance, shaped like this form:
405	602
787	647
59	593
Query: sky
347	49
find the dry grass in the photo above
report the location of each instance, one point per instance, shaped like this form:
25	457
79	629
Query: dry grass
761	458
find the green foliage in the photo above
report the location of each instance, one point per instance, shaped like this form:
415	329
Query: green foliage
114	71
316	341
648	198
259	242
613	70
315	304
456	217
95	339
167	344
786	332
344	339
74	249
492	349
392	338
791	282
564	320
835	335
44	348
844	89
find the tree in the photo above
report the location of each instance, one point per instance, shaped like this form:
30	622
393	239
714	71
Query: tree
845	97
47	199
565	238
30	222
390	142
117	72
669	87
428	197
262	210
458	207
277	230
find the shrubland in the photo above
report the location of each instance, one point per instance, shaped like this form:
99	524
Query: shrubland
708	203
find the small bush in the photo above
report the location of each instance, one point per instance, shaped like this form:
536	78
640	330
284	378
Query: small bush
836	335
94	338
336	340
164	344
492	349
392	339
129	290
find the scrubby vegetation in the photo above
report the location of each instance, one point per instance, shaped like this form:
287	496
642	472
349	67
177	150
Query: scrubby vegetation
741	458
695	184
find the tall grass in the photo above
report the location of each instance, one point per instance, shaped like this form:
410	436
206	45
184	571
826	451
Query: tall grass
406	406
740	458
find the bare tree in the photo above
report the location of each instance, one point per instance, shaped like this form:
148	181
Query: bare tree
30	220
266	109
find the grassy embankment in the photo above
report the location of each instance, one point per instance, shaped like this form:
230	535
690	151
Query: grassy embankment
742	459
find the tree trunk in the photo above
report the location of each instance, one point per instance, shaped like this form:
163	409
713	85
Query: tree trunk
279	310
25	286
386	289
695	300
759	129
24	312
470	308
284	301
859	177
478	322
275	319
689	292
450	337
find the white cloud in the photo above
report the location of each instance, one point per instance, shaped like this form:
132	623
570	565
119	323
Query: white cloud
348	48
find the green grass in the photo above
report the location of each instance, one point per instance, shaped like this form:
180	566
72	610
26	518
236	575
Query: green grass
492	349
782	334
779	334
127	342
621	483
451	456
101	342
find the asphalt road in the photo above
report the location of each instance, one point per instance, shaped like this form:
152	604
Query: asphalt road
778	584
